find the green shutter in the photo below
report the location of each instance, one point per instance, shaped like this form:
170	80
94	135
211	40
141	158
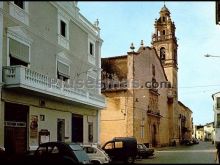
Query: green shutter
63	69
19	50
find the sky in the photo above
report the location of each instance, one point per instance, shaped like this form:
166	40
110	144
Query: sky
197	34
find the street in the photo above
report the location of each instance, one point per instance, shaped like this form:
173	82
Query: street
204	153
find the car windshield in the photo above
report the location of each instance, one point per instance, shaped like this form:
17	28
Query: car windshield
79	152
81	155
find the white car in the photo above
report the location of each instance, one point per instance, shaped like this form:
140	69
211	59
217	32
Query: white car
96	154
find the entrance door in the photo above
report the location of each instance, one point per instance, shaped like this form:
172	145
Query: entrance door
15	128
154	131
77	128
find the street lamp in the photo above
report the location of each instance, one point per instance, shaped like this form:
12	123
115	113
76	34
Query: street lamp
208	55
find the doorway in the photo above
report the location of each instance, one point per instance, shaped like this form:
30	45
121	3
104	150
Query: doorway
16	116
154	131
77	128
60	130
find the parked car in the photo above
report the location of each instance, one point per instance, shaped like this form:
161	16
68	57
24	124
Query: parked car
121	149
3	156
143	151
58	153
186	142
195	141
96	154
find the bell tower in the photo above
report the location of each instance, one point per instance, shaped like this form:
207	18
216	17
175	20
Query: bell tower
165	43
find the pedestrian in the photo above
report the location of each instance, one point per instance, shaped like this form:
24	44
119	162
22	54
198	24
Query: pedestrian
217	158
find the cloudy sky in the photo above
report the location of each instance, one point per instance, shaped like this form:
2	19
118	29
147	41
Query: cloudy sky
198	77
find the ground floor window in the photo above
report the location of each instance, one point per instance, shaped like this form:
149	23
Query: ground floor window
90	131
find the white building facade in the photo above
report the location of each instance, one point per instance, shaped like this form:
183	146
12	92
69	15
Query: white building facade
49	67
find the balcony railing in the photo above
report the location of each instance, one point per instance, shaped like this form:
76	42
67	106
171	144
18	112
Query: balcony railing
23	77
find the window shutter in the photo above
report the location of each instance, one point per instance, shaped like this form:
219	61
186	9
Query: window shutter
19	50
63	69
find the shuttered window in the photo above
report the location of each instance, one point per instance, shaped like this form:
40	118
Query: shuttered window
62	70
19	51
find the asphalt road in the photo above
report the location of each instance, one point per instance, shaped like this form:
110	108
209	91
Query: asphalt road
202	153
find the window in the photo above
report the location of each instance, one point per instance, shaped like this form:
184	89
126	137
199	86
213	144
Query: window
18	53
142	131
19	10
164	32
163	19
55	150
90	150
153	70
90	132
19	4
162	54
14	61
62	71
218	102
91	48
118	144
109	146
175	55
63	28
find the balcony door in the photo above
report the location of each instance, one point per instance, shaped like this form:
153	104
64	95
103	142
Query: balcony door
77	128
15	128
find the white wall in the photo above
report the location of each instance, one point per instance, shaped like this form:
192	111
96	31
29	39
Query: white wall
50	123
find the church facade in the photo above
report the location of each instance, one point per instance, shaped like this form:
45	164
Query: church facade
141	90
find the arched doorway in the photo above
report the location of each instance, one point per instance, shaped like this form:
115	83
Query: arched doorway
154	132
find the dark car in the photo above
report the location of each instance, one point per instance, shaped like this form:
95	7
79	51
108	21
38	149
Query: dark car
186	142
3	156
121	149
58	153
195	141
143	151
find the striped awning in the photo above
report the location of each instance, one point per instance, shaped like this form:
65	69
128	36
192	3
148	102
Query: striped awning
19	51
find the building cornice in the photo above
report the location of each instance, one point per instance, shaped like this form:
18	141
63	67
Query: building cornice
78	19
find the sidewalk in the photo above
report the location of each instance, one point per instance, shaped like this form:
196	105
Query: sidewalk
165	148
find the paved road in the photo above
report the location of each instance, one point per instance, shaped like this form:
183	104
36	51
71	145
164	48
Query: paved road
202	153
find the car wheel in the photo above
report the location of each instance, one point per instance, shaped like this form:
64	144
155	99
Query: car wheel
130	160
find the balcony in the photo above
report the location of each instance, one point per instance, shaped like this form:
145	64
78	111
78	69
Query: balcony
154	113
24	78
